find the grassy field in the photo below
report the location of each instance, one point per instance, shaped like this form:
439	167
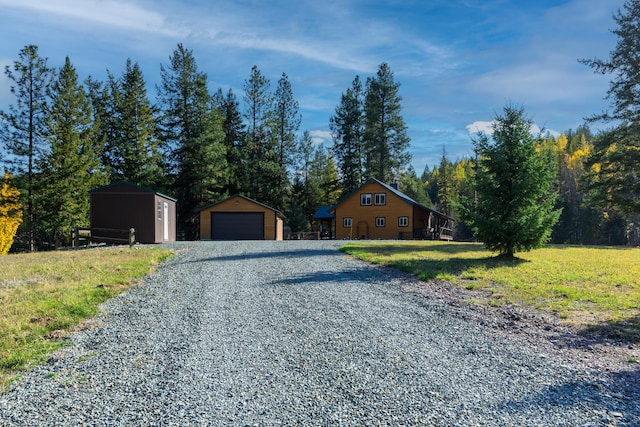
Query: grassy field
591	287
44	295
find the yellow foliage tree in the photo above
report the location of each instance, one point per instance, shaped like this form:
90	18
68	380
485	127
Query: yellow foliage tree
10	214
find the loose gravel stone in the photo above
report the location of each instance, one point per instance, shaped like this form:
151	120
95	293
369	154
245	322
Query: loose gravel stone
297	333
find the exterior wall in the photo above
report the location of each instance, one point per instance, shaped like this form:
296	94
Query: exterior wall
363	218
159	202
273	226
125	206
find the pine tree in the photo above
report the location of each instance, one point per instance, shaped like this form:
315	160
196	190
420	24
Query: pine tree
347	127
135	149
261	168
234	135
71	166
615	162
515	208
192	133
287	123
385	133
446	185
23	126
10	213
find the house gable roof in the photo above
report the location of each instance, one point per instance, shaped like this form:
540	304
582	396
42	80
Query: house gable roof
394	191
132	185
278	213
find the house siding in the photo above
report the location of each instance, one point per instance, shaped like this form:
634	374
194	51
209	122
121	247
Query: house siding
363	218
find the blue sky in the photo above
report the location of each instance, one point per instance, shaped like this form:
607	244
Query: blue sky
458	61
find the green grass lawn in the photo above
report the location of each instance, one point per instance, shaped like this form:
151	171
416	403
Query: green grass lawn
44	295
591	287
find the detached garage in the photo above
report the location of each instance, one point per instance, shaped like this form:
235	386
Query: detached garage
241	218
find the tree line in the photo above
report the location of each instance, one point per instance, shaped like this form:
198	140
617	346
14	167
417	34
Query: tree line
63	137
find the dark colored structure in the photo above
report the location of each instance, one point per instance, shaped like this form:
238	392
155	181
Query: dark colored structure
324	222
240	218
122	205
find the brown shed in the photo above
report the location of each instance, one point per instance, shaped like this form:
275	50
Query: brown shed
123	205
241	218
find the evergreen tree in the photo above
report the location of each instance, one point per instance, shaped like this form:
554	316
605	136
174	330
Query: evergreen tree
71	166
347	127
615	161
261	168
515	208
446	185
385	136
287	123
23	126
412	186
135	149
192	132
234	135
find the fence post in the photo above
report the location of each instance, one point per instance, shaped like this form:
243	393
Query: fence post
132	237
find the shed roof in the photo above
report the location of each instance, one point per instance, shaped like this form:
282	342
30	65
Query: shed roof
130	184
278	213
324	212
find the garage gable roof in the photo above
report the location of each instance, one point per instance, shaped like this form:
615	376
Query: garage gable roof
278	213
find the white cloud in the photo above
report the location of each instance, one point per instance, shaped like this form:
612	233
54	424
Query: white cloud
480	126
107	12
320	136
487	128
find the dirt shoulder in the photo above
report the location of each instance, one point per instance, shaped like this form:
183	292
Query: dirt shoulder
591	350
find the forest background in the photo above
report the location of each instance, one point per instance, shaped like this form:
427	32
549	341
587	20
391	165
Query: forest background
65	137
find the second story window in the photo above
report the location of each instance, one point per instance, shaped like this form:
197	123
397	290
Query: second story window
380	199
365	199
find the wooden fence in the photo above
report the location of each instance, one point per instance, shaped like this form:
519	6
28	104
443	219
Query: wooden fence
103	235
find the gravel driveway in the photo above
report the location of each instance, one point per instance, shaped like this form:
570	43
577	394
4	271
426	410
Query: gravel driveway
296	333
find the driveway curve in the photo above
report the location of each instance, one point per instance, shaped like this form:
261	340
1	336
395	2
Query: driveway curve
297	333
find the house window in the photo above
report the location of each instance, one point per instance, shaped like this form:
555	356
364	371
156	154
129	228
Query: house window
346	222
403	221
365	199
380	199
380	221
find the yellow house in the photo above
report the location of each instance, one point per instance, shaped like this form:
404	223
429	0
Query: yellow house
240	218
380	211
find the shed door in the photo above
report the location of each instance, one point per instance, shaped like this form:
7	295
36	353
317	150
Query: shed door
166	222
237	225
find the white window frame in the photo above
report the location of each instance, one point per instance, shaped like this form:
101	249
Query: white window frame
381	221
403	221
347	222
380	199
364	197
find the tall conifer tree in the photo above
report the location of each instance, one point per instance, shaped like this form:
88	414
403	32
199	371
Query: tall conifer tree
347	129
71	166
515	208
385	133
192	132
23	126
